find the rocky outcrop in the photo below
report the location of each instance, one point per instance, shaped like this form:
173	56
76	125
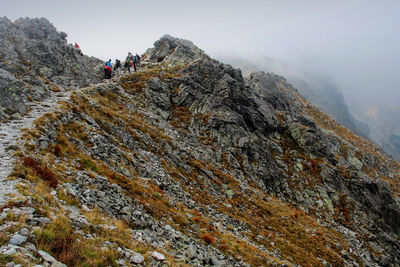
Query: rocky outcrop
36	60
173	50
187	162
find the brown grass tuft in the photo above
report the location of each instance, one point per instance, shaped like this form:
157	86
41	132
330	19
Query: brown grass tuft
208	238
58	151
43	172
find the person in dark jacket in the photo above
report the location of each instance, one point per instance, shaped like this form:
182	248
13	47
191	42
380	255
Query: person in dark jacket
117	66
127	66
136	61
128	62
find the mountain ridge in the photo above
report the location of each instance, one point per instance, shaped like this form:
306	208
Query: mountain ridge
319	90
188	159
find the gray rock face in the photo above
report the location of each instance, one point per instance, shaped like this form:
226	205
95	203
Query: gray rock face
35	60
173	50
269	87
159	93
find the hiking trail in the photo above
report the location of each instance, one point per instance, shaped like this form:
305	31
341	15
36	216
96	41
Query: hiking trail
10	140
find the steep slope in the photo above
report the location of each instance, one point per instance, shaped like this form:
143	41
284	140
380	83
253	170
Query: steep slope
186	163
36	60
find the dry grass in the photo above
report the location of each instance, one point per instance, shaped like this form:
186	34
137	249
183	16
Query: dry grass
208	238
42	171
60	240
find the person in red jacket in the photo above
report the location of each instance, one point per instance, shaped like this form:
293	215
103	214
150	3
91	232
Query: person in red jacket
78	48
108	69
107	72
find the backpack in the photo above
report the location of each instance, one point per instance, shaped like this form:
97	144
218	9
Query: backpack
135	59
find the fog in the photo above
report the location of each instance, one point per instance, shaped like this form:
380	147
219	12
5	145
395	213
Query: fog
354	43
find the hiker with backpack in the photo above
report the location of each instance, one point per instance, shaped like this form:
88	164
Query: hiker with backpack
136	61
108	69
127	65
117	66
128	62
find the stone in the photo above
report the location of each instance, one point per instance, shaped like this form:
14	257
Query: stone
58	264
10	264
121	262
10	251
298	167
46	256
229	193
158	256
355	162
214	261
192	252
169	228
137	259
24	232
17	240
31	247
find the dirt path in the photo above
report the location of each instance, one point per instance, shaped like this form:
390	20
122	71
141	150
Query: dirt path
10	139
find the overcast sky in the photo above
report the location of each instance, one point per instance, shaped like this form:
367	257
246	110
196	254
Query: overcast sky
355	42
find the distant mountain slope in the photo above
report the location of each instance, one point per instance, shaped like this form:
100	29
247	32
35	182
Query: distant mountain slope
320	91
385	128
186	163
36	59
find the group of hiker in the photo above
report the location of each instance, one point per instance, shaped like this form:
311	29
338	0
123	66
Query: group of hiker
130	61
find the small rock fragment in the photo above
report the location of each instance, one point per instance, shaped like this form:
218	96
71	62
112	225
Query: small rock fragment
158	256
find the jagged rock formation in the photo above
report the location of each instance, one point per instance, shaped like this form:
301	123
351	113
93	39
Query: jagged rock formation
321	91
35	60
186	162
174	51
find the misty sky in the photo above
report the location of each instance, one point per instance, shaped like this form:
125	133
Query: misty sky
355	42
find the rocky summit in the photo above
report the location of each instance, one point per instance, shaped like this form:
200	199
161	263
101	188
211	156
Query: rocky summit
36	61
185	163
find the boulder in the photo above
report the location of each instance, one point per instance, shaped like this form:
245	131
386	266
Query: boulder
17	240
158	256
173	50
